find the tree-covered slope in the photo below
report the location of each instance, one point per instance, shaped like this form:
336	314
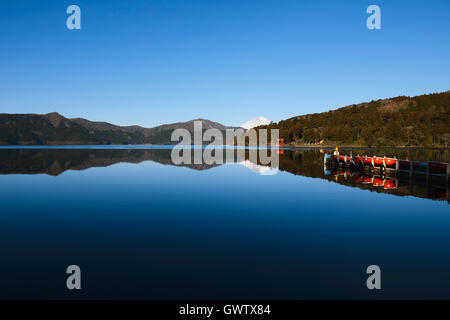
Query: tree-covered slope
54	129
402	121
33	129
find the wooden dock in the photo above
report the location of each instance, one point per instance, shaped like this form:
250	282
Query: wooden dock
413	168
423	174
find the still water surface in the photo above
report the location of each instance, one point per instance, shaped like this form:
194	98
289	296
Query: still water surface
140	227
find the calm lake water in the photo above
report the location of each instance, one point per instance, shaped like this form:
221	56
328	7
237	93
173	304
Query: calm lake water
141	227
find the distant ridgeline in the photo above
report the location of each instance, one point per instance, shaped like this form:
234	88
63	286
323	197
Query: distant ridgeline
402	121
54	129
422	121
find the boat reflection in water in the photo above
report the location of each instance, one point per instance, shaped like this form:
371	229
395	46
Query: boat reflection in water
401	185
418	178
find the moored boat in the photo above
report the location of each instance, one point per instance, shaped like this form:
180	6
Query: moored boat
404	164
440	167
378	182
389	184
384	165
357	159
367	179
389	162
367	160
422	166
378	160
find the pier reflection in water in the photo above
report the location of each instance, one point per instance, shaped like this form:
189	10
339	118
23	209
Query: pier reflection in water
307	163
401	184
304	162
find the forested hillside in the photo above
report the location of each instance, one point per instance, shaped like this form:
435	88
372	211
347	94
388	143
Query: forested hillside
401	121
54	129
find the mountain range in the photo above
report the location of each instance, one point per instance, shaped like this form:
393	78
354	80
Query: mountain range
54	129
421	121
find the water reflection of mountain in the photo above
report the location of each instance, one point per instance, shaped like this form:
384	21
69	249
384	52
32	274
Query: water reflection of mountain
56	161
307	163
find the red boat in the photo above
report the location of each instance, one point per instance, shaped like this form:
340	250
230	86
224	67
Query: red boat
420	165
377	182
388	161
357	159
378	160
389	184
367	160
438	167
404	164
367	179
280	143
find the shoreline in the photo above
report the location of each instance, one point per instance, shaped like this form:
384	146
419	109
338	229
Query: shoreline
287	146
364	147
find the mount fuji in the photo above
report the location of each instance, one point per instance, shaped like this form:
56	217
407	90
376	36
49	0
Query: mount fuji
255	122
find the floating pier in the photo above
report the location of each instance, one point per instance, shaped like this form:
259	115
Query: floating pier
390	173
385	165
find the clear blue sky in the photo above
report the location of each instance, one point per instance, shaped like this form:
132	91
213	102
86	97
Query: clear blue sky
152	62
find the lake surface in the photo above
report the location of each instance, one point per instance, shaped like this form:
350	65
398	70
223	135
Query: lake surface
141	227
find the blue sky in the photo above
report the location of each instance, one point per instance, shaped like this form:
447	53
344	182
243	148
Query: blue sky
154	62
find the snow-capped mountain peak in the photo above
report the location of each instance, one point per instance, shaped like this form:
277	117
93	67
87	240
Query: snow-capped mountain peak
262	170
258	121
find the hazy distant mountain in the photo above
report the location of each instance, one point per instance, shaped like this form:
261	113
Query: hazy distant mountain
54	129
256	122
189	125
